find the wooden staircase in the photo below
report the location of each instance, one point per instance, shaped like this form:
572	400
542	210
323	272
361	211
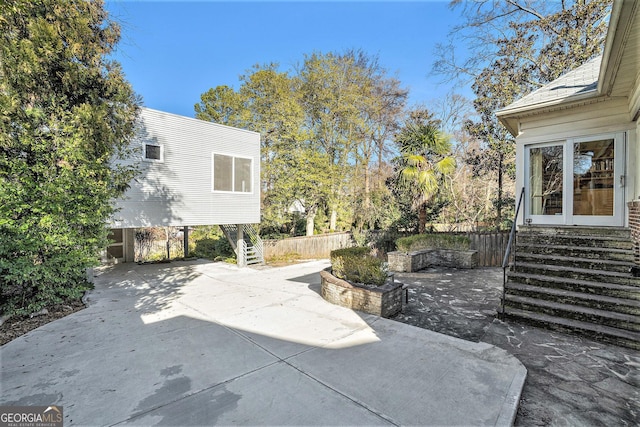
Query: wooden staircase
577	279
252	250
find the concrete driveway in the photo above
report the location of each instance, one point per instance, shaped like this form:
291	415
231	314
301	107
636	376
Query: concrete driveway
200	343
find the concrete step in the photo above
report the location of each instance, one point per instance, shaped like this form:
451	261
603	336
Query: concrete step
572	230
599	264
575	285
576	278
253	256
577	273
601	333
575	240
584	314
615	254
597	301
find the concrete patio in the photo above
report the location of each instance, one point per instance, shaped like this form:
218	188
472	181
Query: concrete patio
199	343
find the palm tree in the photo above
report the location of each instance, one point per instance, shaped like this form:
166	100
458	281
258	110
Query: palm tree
424	161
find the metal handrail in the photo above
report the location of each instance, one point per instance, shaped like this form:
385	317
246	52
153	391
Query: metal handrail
512	236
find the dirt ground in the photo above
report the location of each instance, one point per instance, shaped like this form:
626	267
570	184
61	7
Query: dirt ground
14	327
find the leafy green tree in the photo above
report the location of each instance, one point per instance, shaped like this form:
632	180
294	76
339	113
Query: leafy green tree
425	159
271	102
221	105
383	107
66	112
517	46
333	88
307	183
326	122
267	102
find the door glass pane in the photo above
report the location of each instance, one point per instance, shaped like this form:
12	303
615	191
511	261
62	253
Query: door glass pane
593	177
545	180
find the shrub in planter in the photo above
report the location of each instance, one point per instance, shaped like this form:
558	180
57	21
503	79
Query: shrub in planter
338	256
420	242
357	265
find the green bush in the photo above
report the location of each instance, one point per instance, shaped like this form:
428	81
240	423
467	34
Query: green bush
210	242
212	248
419	242
357	265
28	286
66	112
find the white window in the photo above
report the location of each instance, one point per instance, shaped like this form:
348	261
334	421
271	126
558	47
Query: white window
576	181
153	152
232	174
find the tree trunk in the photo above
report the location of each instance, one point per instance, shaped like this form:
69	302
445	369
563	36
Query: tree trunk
422	218
311	215
333	223
367	187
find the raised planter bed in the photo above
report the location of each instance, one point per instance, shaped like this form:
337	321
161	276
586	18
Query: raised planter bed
384	300
417	260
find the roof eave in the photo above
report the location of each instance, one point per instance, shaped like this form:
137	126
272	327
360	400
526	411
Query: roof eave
620	26
511	123
508	116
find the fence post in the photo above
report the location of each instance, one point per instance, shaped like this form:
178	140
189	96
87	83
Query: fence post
185	233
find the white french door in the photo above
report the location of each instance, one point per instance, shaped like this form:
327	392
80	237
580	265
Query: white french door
578	181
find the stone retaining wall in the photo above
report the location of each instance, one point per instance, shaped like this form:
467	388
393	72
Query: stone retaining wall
414	261
384	301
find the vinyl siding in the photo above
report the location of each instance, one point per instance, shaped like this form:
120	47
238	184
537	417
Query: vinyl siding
600	117
177	191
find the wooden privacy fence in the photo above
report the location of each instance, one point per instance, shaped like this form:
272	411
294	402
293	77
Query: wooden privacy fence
491	246
318	246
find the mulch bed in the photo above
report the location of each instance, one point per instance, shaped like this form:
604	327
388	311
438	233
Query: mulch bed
14	327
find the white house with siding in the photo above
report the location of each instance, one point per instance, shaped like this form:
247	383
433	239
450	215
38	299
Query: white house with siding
576	258
192	172
576	138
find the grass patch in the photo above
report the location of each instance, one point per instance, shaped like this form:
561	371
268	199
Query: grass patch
288	258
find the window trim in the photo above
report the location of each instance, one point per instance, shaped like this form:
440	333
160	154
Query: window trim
233	177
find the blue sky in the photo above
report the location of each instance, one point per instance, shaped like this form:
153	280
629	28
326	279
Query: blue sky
173	51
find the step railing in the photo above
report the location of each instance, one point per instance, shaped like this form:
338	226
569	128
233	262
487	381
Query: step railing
231	232
256	242
252	250
510	248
